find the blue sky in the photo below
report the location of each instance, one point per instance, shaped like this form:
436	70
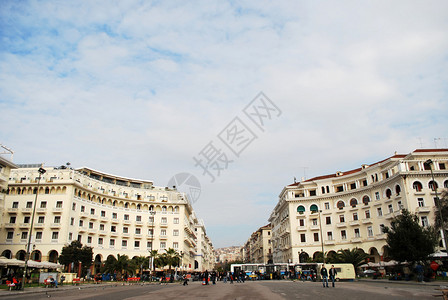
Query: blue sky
138	88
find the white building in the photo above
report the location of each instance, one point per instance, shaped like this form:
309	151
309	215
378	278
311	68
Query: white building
112	214
345	210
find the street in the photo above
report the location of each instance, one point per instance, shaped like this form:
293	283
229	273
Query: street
272	290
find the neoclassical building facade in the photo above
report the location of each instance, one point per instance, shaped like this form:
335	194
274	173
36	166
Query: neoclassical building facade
113	214
345	210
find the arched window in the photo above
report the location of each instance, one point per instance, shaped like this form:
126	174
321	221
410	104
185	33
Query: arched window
139	207
433	185
314	208
353	202
151	208
126	205
397	189
323	190
388	193
164	208
340	204
301	209
445	184
417	186
115	203
47	190
366	200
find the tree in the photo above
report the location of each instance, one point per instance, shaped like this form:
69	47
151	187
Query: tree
140	262
355	256
407	240
77	253
171	258
443	202
122	264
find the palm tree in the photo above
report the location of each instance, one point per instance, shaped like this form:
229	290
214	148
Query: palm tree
171	258
354	256
153	254
139	262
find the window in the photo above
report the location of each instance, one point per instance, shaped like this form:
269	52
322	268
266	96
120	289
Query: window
417	186
79	238
138	231
327	205
83	208
364	182
112	242
442	166
54	235
10	235
163	232
43	204
162	245
151	219
377	196
113	228
12	219
26	219
24	235
433	185
355	216
164	220
100	241
175	232
41	220
353	202
302	238
366	200
176	245
397	189
176	220
370	231
149	245
125	230
81	223
89	240
388	193
328	220
29	204
74	206
150	232
379	211
114	215
367	214
312	192
136	244
425	222
421	202
102	227
341	219
92	211
391	209
126	217
340	204
57	219
329	235
103	213
15	205
301	209
138	218
314	208
124	243
316	237
39	235
357	234
70	236
59	204
90	225
314	222
301	222
352	186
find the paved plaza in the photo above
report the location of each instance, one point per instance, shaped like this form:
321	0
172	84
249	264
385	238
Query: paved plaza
271	290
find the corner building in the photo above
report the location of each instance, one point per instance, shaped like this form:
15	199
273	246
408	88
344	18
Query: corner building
112	214
350	208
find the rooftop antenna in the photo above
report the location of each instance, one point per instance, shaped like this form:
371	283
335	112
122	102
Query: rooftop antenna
421	143
304	172
7	151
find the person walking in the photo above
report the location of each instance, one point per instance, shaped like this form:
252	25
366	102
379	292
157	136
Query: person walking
324	274
333	274
185	279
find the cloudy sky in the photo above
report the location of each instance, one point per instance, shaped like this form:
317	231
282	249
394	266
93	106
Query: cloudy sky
141	88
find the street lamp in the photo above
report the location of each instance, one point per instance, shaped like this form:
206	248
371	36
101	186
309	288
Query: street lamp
429	162
321	236
152	213
28	246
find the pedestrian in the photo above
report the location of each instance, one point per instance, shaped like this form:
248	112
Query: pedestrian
185	279
333	274
206	277
419	269
224	277
324	274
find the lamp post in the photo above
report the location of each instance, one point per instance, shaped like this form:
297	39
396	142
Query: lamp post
429	162
28	246
152	213
321	238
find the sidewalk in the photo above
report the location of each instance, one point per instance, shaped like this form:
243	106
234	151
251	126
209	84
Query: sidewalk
65	287
410	282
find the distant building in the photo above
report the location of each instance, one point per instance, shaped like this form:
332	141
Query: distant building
228	254
113	214
351	207
258	248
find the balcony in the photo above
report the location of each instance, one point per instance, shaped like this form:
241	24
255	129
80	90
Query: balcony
115	221
92	230
314	227
356	240
423	209
24	225
329	242
41	210
82	228
102	232
93	217
163	224
389	216
354	223
139	236
366	221
301	228
83	214
104	219
39	225
127	222
57	210
27	211
113	233
341	224
12	210
10	225
138	223
381	236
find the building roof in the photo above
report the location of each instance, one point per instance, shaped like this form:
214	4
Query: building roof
359	169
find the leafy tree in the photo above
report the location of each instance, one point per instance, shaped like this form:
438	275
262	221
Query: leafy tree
122	264
355	256
140	262
170	258
407	240
443	202
77	253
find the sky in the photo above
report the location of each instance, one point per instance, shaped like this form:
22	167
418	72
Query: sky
152	89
